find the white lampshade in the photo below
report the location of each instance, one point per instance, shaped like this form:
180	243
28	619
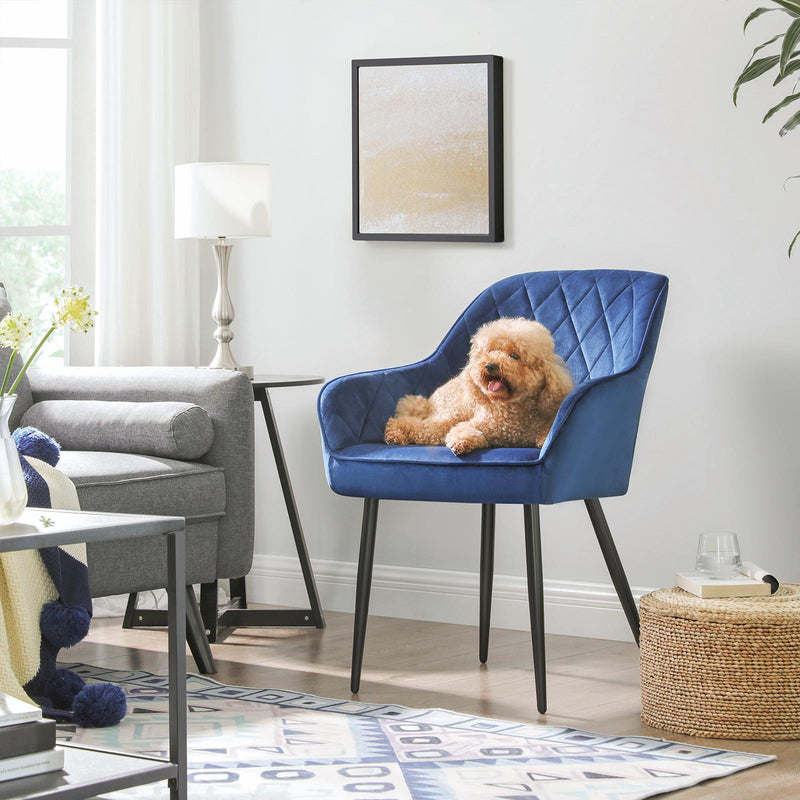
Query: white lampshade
215	199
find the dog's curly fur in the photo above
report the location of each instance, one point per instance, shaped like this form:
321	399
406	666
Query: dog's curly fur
506	396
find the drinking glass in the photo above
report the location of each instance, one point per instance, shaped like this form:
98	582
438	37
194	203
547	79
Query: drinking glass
718	555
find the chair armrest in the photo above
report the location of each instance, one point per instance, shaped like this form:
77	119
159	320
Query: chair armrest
354	409
227	398
589	450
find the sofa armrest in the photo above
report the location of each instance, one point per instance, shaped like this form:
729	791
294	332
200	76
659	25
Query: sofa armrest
225	395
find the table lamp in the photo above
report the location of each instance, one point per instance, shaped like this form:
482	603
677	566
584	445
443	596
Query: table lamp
222	201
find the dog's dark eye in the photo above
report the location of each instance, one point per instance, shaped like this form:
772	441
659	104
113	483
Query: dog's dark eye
515	356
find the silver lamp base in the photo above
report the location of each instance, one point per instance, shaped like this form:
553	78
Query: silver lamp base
222	313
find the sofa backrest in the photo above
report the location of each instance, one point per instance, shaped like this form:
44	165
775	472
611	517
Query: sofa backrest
23	391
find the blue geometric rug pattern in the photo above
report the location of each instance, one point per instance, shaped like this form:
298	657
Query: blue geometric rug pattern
281	745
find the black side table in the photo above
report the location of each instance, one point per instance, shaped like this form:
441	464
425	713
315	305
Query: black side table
239	615
242	616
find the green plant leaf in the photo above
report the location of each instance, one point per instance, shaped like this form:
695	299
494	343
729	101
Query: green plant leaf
755	14
790	39
758	67
762	46
783	103
792	6
791	67
790	124
792	244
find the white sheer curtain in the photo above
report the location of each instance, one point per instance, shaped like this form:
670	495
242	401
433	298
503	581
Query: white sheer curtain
147	110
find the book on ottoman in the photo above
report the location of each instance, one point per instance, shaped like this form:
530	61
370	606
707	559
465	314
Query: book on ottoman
751	581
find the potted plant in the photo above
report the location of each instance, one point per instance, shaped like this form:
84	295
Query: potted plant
71	308
782	64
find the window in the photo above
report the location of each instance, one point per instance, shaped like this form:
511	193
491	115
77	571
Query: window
35	147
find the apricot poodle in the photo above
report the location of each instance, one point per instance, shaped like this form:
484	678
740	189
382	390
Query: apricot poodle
506	396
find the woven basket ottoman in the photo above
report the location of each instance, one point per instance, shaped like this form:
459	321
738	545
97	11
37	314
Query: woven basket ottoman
726	668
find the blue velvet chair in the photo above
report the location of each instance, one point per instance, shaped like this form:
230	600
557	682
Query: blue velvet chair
605	324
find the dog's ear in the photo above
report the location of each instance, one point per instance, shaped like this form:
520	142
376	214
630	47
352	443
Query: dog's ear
558	384
478	340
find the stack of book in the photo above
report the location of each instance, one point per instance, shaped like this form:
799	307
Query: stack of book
752	581
27	742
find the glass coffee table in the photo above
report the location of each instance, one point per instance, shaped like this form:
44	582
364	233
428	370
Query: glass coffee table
90	771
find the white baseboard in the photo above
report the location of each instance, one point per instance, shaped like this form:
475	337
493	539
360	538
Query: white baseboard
571	608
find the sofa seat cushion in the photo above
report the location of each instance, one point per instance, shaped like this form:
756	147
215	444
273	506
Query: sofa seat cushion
136	484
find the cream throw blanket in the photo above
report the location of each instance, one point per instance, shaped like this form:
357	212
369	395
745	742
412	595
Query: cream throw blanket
25	586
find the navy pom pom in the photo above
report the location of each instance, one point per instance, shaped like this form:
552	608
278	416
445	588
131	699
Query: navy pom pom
64	626
63	687
99	705
32	442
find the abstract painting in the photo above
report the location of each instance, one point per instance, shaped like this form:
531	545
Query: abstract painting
428	149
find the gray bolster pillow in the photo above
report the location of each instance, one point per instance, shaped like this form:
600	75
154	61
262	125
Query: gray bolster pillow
170	430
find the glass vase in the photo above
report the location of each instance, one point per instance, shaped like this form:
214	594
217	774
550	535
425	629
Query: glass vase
13	492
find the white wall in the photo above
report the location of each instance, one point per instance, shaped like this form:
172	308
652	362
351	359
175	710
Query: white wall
622	149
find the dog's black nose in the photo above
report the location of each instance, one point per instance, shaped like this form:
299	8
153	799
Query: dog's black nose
491	368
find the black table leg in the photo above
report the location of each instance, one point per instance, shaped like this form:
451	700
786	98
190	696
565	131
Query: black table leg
243	617
176	635
240	616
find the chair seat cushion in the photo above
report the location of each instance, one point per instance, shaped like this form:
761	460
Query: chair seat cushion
422	472
136	484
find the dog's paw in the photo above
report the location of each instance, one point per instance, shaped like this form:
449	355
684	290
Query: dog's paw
460	447
395	432
412	405
464	438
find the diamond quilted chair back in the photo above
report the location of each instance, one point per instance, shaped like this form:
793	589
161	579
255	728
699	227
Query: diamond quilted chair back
599	318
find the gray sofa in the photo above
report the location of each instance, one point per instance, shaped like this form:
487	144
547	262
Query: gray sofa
154	440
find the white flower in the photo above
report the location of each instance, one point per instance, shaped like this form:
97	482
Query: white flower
15	329
73	309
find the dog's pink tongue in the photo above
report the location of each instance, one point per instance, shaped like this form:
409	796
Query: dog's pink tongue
495	386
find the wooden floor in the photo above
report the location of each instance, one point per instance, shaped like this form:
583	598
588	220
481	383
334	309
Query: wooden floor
592	684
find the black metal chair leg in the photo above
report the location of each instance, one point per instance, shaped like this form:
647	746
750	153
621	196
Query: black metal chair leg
487	575
208	609
533	554
196	635
363	583
614	564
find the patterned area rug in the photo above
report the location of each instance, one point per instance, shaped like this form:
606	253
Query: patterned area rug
281	745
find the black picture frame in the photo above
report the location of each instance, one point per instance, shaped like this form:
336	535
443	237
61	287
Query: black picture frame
458	184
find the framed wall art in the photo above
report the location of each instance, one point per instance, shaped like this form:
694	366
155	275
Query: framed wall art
428	149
